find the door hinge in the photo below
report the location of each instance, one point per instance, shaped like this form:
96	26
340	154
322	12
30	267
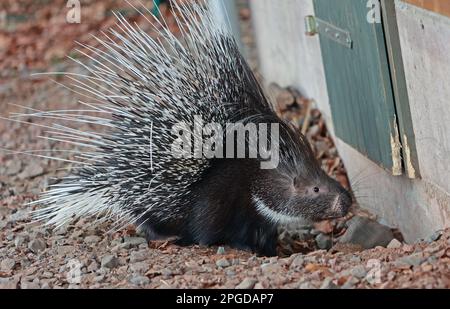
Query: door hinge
315	26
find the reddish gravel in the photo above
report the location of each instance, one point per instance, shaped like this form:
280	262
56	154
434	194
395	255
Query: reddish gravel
81	256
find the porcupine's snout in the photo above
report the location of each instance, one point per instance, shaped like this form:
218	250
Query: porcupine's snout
342	203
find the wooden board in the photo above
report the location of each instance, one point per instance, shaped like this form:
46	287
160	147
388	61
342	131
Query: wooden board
438	6
359	83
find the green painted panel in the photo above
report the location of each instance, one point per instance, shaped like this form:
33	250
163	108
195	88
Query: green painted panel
359	84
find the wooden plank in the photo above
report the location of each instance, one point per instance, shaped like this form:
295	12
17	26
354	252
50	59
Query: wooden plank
437	6
359	83
407	136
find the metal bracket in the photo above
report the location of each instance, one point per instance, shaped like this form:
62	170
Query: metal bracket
315	26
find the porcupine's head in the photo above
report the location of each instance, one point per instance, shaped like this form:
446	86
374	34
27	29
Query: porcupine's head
298	188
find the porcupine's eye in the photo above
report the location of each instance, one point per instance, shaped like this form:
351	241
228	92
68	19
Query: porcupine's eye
316	189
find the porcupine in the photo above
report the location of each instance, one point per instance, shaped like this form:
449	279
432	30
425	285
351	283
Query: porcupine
141	87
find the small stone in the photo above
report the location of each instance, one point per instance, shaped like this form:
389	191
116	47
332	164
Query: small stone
130	242
358	272
138	256
367	233
37	245
26	285
321	146
99	278
220	251
324	242
391	275
427	267
259	286
92	239
222	263
355	259
139	267
411	260
93	266
9	283
247	283
64	250
271	268
7	264
61	230
298	261
139	280
305	286
20	215
13	167
47	275
328	284
230	272
46	285
350	283
109	261
408	248
435	236
32	170
394	244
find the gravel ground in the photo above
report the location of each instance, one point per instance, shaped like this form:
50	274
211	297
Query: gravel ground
84	256
347	253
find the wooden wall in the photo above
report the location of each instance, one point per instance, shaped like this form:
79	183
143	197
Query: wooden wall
438	6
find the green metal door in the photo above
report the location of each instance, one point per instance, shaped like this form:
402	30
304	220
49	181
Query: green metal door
358	79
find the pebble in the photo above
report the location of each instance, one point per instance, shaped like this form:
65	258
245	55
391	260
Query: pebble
138	256
328	284
9	282
109	261
305	286
230	272
32	285
394	244
350	283
391	275
139	267
414	259
47	274
61	230
32	170
93	266
247	283
298	261
64	250
37	245
139	280
92	239
13	167
222	263
358	271
99	278
220	251
324	242
408	248
435	236
271	268
355	259
367	233
130	242
7	264
20	215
